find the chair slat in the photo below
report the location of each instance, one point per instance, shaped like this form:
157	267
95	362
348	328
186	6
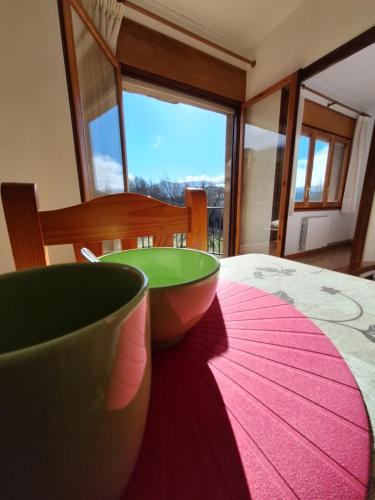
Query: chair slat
197	236
165	240
21	215
129	244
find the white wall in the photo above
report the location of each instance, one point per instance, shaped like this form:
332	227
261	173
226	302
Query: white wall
341	228
36	141
310	32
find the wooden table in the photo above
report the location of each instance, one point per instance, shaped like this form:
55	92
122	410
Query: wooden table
194	443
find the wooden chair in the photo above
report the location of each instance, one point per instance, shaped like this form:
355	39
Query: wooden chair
124	216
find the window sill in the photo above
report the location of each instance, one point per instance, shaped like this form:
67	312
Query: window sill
315	209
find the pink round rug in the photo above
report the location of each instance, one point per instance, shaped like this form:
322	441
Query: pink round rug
256	402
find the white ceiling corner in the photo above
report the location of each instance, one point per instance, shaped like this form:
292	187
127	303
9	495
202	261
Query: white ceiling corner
351	81
238	25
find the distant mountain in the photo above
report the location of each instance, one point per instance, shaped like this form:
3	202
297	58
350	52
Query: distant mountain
299	194
195	183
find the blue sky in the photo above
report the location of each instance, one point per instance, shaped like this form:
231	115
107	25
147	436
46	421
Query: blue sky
303	153
176	141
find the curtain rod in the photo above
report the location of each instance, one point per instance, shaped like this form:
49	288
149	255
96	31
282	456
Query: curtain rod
334	101
176	27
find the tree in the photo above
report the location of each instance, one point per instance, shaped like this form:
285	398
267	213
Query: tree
173	192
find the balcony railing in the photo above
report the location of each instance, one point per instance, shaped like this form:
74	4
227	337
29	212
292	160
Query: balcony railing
215	233
215	230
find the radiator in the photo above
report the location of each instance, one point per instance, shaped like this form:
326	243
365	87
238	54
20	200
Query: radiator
314	232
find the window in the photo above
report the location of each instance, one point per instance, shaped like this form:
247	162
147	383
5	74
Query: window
94	81
174	141
321	170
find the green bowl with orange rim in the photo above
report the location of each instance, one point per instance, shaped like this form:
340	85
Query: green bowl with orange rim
182	287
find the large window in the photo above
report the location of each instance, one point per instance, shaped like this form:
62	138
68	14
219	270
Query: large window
174	141
321	171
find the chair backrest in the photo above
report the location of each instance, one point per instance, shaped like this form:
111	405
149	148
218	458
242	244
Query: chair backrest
123	216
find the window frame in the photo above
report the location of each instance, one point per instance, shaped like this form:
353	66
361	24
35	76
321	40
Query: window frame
315	134
168	92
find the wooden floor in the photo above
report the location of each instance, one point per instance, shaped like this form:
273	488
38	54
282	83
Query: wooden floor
333	257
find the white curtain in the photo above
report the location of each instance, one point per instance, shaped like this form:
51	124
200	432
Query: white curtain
97	81
96	74
301	104
357	159
107	16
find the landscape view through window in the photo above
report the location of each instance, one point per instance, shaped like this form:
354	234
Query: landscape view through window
171	146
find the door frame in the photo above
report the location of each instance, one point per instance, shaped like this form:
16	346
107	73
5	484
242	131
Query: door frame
292	82
368	190
345	50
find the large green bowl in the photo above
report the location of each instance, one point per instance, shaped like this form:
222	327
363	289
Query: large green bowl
182	287
74	380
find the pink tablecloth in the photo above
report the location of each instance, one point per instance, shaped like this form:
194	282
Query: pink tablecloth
256	402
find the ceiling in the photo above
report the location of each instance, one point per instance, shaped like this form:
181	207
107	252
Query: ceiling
238	25
351	81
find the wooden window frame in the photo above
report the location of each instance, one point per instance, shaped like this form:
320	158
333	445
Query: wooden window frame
316	134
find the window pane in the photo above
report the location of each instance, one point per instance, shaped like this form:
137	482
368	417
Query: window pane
264	148
175	145
303	154
319	170
337	163
98	92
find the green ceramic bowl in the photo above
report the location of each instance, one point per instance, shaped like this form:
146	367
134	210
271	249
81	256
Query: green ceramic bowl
182	287
74	380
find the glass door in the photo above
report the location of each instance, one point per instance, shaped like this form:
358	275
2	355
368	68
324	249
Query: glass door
268	123
175	141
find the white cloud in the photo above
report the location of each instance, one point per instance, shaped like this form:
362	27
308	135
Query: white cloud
319	169
157	142
301	172
320	164
217	180
108	175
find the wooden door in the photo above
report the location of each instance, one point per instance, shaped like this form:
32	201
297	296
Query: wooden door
268	123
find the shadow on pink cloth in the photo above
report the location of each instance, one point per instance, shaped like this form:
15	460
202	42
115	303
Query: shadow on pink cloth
256	402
